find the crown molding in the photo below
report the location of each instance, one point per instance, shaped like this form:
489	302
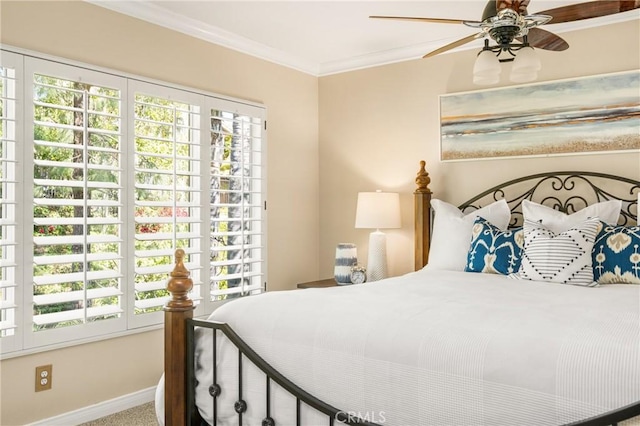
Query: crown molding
392	56
195	28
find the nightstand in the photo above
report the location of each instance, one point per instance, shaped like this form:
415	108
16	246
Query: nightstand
329	282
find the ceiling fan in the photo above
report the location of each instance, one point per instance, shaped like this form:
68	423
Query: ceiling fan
504	21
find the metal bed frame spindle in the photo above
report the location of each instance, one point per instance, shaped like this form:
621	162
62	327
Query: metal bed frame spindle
271	374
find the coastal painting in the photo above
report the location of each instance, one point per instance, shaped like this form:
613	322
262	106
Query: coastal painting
585	115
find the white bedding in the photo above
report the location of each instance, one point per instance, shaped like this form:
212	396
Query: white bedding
435	348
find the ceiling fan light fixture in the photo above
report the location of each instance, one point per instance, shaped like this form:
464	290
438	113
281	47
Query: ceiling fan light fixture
525	65
504	21
486	64
526	61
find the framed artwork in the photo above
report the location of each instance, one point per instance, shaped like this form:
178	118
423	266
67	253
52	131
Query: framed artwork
583	115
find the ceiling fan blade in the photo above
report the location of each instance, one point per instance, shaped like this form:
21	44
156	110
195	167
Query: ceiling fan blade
592	9
519	6
417	19
546	40
454	45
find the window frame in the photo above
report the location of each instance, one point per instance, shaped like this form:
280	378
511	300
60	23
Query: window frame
16	62
26	341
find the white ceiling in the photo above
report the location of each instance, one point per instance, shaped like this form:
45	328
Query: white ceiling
327	37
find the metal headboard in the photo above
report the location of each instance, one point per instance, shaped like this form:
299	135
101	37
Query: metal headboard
567	192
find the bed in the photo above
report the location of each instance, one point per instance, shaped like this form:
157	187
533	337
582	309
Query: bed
439	346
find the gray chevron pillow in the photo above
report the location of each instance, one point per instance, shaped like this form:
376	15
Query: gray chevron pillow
563	258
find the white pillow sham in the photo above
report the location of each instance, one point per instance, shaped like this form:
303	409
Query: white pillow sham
557	222
452	231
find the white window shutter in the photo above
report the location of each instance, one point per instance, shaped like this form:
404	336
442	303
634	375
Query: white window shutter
10	200
237	194
102	178
167	197
76	235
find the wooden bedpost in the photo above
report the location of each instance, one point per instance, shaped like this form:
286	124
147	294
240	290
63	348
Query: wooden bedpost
422	200
176	312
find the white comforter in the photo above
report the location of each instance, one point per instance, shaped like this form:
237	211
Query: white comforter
436	348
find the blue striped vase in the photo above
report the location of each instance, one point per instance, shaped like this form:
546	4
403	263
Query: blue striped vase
346	257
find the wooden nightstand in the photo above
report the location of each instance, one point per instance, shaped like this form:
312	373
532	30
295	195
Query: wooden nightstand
329	282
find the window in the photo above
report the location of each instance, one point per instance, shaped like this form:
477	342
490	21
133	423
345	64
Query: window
118	173
237	233
76	253
10	115
168	194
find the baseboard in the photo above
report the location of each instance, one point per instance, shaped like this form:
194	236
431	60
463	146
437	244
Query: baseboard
105	408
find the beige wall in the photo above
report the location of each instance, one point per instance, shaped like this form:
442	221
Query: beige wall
82	376
376	124
87	33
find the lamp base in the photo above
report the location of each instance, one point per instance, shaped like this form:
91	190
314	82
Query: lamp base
377	260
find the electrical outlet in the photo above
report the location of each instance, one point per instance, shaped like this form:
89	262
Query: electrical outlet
43	377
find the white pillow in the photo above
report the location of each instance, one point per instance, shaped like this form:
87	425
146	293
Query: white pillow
556	221
563	258
451	235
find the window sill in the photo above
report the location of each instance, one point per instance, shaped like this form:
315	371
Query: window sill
69	344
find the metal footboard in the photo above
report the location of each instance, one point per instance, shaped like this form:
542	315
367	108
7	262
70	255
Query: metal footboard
240	406
611	418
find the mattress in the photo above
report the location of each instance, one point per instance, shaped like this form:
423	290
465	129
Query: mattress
433	348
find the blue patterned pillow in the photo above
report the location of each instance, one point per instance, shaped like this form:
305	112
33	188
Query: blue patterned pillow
494	251
616	255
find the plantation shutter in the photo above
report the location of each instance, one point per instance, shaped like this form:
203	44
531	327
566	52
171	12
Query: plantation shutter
10	87
167	193
237	212
102	178
77	168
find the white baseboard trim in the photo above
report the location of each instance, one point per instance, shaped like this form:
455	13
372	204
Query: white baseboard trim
105	408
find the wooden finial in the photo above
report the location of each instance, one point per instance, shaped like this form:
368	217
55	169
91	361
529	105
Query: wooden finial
179	285
422	179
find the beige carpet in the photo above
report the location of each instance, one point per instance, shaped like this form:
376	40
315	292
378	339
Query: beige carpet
142	415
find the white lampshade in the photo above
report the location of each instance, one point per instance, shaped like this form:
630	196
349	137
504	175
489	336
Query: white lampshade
378	210
526	61
525	66
486	69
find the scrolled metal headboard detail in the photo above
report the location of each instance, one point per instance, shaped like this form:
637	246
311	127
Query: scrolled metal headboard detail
567	192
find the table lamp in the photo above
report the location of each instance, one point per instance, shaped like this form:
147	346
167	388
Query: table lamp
377	210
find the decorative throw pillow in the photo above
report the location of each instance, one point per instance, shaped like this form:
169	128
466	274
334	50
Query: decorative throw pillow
616	255
561	258
556	221
494	251
452	232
